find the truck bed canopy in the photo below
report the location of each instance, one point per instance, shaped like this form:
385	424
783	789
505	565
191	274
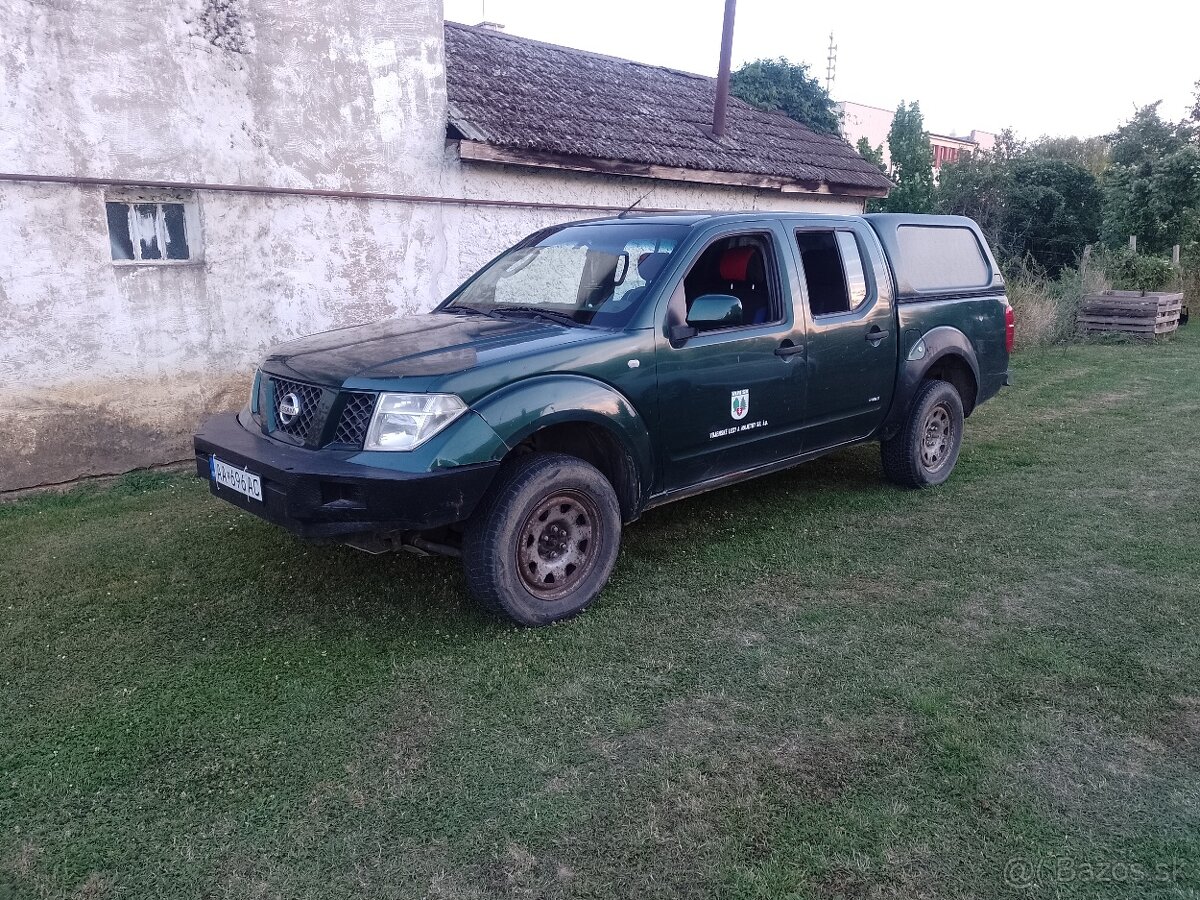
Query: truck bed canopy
933	257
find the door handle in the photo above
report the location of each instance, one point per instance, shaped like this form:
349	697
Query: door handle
875	335
789	349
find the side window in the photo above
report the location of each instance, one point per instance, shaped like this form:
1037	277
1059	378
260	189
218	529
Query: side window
940	258
833	271
741	266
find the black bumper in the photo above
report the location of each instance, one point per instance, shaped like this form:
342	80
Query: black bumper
318	494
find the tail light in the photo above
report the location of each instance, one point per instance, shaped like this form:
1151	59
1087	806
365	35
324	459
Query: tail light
1010	328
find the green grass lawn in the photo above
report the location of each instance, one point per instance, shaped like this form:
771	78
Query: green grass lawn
811	685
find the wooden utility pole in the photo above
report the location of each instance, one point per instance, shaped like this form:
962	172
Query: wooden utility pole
718	128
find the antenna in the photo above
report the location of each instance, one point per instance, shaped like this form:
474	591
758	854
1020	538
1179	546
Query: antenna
627	210
831	65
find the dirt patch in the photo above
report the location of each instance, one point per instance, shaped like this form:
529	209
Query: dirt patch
691	726
26	859
823	765
1181	729
1074	409
94	887
1123	783
516	872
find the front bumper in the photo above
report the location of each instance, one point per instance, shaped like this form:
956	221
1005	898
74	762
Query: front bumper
320	494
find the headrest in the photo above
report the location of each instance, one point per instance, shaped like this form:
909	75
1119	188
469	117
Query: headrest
650	264
735	263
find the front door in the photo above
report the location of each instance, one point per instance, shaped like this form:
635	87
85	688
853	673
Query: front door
852	343
731	394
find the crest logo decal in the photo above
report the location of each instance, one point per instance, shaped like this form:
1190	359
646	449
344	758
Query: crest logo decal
739	404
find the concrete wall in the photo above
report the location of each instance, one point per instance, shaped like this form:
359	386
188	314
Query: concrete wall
105	368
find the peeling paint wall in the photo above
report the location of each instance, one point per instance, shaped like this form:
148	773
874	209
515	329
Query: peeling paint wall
105	368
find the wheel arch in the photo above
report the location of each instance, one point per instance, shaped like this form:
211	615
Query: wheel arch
948	356
581	417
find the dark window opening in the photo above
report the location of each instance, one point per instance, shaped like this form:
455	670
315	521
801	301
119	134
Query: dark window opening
833	271
740	266
118	231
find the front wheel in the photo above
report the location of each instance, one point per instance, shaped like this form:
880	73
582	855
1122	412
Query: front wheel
925	450
545	540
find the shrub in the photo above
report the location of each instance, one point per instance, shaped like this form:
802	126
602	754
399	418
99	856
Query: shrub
1045	308
1128	271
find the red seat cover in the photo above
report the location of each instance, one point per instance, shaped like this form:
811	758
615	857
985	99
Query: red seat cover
735	263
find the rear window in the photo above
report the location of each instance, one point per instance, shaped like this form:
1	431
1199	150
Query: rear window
941	258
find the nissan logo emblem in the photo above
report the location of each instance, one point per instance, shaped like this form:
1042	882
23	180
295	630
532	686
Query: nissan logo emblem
289	408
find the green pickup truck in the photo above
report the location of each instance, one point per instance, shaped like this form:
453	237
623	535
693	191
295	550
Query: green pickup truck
601	368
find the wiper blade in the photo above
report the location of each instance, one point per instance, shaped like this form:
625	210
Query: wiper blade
547	314
462	307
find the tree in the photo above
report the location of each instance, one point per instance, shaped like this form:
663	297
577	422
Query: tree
871	154
1051	212
1152	189
1091	153
912	162
1031	208
977	186
778	85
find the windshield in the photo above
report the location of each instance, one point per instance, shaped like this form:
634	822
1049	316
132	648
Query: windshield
581	274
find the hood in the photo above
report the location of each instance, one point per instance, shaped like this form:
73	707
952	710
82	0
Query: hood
421	345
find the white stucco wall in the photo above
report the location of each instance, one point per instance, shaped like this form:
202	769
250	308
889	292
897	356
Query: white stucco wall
106	368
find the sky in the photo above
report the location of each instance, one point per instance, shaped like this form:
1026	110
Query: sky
1055	67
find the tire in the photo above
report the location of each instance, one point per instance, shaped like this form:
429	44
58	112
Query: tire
925	450
544	541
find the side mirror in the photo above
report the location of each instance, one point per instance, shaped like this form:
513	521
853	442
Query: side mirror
711	311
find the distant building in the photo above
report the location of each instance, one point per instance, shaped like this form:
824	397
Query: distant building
874	123
947	148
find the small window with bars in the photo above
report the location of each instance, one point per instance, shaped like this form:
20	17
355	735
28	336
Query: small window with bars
152	230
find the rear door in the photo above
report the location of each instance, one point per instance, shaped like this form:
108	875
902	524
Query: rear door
852	339
732	397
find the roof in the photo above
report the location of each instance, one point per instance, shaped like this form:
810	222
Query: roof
523	95
695	218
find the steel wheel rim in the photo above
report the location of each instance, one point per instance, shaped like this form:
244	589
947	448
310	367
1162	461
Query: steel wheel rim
938	430
557	545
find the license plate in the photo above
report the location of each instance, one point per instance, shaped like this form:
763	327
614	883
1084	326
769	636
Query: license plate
246	483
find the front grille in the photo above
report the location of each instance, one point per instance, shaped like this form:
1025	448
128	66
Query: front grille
315	426
307	424
355	419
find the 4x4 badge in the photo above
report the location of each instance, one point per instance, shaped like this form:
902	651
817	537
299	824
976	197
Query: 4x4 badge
739	404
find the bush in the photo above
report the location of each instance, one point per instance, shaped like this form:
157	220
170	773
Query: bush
1128	271
1045	308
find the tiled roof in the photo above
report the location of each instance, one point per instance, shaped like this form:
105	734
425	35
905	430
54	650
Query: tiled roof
518	94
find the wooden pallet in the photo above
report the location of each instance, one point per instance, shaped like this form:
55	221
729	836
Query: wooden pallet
1130	312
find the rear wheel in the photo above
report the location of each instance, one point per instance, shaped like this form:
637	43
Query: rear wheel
926	448
545	540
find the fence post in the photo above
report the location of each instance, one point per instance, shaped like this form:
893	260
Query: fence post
1175	256
1133	243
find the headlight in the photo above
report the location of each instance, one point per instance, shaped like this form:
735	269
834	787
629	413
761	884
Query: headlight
405	421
